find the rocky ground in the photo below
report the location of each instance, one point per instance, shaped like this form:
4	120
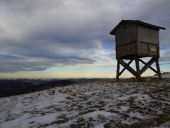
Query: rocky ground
100	104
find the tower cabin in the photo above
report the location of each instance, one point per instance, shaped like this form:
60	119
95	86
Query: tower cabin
134	40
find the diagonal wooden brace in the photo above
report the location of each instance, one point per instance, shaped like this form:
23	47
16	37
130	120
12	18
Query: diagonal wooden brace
126	66
147	65
138	72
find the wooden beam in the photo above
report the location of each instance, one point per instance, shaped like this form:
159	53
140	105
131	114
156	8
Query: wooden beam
131	70
137	69
125	68
158	69
138	72
118	68
149	66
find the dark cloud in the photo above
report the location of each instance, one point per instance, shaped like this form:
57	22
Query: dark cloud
38	34
11	63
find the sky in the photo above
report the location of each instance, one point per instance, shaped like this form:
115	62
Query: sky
70	38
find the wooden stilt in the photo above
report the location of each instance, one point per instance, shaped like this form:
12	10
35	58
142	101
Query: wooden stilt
158	69
138	72
118	68
137	69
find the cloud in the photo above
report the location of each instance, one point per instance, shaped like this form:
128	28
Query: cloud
165	55
36	35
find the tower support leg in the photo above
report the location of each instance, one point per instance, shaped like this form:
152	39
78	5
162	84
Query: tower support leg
118	69
158	69
137	69
138	72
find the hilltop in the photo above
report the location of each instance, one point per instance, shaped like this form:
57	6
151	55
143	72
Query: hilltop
94	104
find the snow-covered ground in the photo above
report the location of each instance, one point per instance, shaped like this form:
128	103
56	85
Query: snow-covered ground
91	105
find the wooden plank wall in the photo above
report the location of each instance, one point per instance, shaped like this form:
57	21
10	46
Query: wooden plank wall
126	49
126	34
144	49
148	49
147	35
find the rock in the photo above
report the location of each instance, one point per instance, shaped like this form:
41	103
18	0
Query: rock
62	119
51	92
81	120
74	126
110	125
72	92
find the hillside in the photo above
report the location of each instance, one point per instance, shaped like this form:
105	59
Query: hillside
20	86
98	104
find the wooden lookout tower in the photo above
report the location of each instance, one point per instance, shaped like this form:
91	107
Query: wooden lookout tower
134	40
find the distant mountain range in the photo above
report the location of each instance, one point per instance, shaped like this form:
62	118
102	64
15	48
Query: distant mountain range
9	87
